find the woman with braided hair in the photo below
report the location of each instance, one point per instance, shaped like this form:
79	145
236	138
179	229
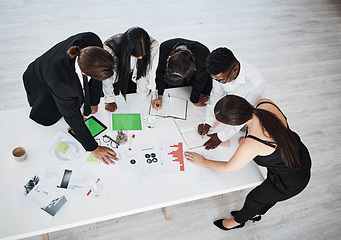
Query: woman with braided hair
271	144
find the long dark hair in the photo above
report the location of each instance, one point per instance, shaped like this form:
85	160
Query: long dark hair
135	41
235	110
94	61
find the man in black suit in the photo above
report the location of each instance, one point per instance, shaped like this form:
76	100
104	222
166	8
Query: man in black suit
182	62
54	88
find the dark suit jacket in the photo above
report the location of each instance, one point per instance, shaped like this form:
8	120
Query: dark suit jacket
54	89
201	81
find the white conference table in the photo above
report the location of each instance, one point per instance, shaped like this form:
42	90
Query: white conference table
124	194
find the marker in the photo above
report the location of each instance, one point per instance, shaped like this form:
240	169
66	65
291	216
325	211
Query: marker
90	189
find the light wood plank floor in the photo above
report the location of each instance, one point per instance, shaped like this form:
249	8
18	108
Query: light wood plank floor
296	44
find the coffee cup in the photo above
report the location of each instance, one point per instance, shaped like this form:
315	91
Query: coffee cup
19	154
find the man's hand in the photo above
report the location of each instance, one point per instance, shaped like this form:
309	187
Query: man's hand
213	142
94	109
201	129
202	101
111	107
156	104
105	155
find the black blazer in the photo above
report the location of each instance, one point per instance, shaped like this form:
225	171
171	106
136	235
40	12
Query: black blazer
201	81
54	89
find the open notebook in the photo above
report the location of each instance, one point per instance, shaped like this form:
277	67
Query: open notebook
189	131
171	107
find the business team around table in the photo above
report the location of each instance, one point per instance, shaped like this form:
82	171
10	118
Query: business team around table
57	85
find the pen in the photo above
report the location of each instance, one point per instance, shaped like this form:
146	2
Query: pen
203	129
132	138
90	189
157	97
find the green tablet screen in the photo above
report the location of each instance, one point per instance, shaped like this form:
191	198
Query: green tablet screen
94	125
130	121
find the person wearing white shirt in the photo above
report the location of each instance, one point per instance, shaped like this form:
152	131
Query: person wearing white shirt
230	76
133	51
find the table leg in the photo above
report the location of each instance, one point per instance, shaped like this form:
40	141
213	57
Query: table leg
45	236
168	212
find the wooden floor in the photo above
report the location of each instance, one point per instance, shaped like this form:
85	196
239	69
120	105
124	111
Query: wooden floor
297	46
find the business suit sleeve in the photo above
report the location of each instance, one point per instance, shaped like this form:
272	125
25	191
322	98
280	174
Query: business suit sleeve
165	49
202	78
87	39
69	107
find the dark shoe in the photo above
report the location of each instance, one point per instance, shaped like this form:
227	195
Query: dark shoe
255	219
219	224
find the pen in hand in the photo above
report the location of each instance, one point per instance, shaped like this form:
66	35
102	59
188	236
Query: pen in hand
203	130
157	98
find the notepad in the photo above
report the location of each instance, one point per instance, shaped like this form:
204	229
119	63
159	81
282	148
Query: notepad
171	107
189	131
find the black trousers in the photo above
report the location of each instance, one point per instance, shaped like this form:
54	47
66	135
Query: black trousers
264	197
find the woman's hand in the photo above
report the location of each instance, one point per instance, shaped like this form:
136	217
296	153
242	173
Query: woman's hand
94	109
157	103
105	155
111	107
196	158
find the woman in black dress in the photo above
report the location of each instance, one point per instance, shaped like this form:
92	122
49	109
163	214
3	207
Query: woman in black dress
270	143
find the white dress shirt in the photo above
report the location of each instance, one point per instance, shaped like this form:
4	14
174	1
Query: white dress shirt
80	75
142	83
249	84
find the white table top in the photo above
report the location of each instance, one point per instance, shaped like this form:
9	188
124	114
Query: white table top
124	194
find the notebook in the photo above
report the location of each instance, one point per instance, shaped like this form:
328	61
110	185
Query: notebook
171	107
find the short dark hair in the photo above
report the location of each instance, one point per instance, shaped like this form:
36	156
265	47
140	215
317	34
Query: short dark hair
180	67
220	60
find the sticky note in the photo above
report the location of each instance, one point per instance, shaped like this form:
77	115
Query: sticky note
92	159
62	147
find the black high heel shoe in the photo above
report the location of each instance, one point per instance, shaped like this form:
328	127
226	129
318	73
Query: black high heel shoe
219	224
255	219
